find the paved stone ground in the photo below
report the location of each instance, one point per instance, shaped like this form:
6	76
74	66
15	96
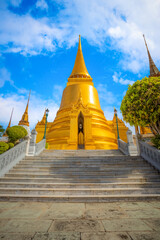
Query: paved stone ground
80	221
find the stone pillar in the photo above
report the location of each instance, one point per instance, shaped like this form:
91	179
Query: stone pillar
32	146
132	149
137	143
28	137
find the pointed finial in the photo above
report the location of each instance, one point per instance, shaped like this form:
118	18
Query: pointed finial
79	45
28	101
9	124
79	69
154	72
10	118
24	120
145	42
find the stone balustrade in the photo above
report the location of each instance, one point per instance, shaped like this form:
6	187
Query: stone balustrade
27	147
128	148
123	146
150	154
11	157
40	147
35	148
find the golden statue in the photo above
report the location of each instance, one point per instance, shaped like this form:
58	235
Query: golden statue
80	122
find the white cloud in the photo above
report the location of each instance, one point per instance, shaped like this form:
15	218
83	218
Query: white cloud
42	4
15	3
5	76
119	23
104	95
27	35
109	112
57	92
37	106
118	79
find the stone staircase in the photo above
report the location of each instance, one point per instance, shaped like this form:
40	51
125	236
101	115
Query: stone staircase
80	176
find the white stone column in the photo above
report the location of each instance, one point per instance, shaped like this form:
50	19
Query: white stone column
32	145
132	149
28	137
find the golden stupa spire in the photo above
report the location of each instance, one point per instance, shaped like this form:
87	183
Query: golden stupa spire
9	124
154	72
79	69
24	120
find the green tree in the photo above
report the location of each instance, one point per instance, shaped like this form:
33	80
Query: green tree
1	130
3	147
16	132
141	104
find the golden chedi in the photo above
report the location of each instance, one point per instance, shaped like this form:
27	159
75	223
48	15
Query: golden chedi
80	121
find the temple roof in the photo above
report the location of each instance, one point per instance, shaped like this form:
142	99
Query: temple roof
154	72
79	69
24	120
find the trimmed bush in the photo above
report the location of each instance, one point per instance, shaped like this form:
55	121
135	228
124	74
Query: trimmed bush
11	145
156	141
3	147
141	104
15	133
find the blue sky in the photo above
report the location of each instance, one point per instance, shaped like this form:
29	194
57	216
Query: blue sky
38	46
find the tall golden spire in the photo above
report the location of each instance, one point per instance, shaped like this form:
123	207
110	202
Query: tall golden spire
9	124
154	72
79	69
24	120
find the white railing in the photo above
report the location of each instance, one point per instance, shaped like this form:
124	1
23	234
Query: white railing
123	146
40	147
11	157
151	154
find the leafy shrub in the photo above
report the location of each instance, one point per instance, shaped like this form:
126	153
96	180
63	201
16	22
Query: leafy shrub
1	130
3	147
156	141
15	133
140	106
46	145
11	145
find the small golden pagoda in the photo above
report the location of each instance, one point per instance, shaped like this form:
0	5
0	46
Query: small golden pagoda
24	120
40	127
80	122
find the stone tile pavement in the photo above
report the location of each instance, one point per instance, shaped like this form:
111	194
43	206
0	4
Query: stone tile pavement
80	221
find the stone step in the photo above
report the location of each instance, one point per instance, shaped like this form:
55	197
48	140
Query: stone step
79	185
82	169
82	156
80	198
91	191
81	180
109	164
82	159
82	153
80	174
83	164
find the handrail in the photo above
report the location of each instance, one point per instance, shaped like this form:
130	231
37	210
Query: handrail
151	154
11	157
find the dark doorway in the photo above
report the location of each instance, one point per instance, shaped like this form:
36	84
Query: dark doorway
80	131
